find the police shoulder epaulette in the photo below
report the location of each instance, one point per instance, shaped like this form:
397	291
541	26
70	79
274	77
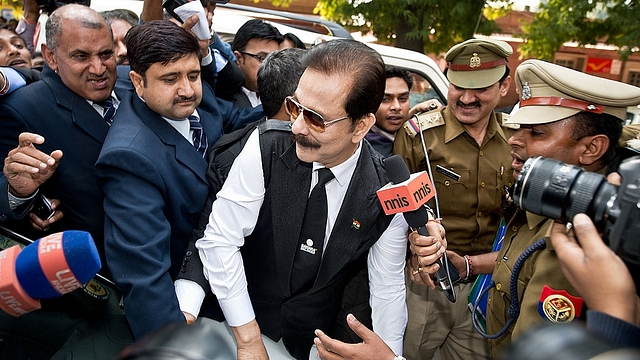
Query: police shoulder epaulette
423	122
503	118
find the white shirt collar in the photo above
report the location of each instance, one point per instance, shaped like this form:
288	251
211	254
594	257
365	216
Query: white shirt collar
252	96
343	171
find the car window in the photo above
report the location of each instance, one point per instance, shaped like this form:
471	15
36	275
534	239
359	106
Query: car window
423	90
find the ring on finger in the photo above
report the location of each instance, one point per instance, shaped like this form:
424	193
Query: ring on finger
416	272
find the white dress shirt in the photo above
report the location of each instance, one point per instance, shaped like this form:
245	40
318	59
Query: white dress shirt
234	216
253	97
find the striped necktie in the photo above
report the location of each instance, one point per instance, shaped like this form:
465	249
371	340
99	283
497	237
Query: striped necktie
199	137
109	110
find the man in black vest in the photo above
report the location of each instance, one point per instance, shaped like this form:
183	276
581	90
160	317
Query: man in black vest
270	272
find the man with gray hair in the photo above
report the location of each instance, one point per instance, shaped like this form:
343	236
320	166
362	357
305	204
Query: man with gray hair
68	112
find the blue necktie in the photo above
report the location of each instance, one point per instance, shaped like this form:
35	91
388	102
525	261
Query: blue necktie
199	137
309	253
109	110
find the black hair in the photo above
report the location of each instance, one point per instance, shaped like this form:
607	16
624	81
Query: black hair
295	40
255	29
394	71
586	123
356	63
158	41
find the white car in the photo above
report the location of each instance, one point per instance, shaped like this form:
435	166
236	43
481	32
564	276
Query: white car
429	81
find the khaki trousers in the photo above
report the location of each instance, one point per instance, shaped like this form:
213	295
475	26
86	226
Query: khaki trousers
436	323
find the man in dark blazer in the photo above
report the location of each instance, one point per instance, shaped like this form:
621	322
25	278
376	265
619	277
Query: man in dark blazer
152	170
253	41
63	108
253	250
52	132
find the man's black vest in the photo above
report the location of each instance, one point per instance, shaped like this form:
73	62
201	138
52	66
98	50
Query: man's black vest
269	251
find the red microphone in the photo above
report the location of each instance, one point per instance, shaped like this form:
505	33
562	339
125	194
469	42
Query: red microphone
49	267
407	195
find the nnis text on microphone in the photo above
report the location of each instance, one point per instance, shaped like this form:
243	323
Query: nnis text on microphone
408	195
49	267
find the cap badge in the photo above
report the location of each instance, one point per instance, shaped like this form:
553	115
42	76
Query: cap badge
526	91
592	107
475	61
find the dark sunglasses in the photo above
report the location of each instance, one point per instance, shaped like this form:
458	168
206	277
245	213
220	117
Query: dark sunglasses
314	120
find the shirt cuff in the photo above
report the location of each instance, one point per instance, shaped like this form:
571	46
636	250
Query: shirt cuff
190	296
14	79
237	311
221	61
207	59
396	346
15	202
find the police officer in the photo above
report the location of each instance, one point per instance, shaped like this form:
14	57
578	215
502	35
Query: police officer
575	118
468	138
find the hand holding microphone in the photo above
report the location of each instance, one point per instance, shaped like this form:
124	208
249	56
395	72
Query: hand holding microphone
408	194
50	267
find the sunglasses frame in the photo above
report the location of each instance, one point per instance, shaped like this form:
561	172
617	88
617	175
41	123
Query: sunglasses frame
316	125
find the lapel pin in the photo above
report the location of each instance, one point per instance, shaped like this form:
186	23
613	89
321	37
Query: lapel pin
355	224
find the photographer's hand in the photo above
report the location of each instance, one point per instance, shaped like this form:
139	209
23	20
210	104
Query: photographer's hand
595	271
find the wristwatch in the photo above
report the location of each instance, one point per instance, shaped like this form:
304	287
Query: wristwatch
399	357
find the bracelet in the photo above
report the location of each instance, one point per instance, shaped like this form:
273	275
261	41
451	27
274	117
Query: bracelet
466	261
470	266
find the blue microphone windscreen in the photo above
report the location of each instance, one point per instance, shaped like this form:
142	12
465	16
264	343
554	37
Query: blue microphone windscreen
57	264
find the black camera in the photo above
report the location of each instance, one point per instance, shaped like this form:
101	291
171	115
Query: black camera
559	191
48	6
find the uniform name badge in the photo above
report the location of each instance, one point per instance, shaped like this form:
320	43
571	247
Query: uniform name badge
558	306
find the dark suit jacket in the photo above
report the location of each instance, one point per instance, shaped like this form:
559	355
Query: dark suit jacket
155	186
70	124
268	253
241	100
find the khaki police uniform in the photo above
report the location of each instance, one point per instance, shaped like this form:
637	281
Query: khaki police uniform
470	207
540	269
548	93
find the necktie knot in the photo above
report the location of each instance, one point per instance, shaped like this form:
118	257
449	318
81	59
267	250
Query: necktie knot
194	123
324	176
109	110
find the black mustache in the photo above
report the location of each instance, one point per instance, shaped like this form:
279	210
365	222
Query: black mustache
182	99
475	103
304	141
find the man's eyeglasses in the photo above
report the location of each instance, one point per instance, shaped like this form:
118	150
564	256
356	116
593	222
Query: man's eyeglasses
255	56
314	120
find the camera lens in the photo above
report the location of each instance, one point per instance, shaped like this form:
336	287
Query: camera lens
559	191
